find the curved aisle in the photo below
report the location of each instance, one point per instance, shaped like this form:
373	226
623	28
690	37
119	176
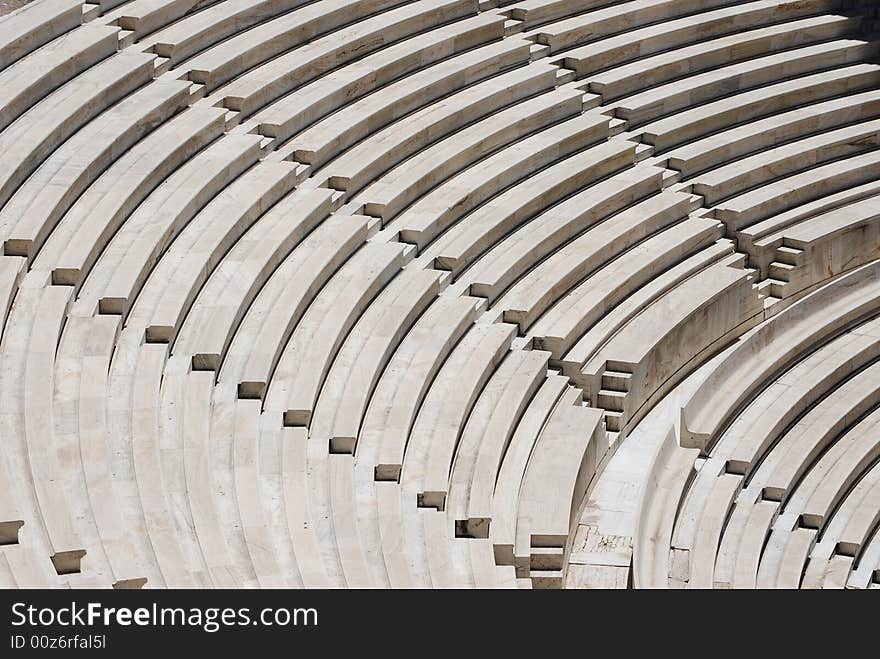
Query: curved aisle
405	293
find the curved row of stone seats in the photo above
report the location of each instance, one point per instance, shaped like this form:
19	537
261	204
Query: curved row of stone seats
554	391
225	297
249	473
392	409
442	53
781	161
750	236
506	171
187	198
449	402
428	535
763	101
330	484
35	209
71	250
28	356
130	438
462	244
806	452
288	72
327	139
484	439
250	382
264	332
614	19
248	534
305	24
473	560
832	476
141	17
546	241
356	167
396	190
353	547
204	28
680	32
777	407
802	187
507	129
171	288
112	284
783	475
317	338
364	354
665	99
30	79
137	372
184	432
534	12
649	72
606	219
401	388
721	148
35	24
82	367
78	405
675	253
563	462
28	140
773	347
301	520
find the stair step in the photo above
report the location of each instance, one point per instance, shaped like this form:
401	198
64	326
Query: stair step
546	578
546	558
196	92
126	38
512	27
616	381
781	271
644	151
769	301
616	127
789	255
611	400
612	421
538	51
161	65
563	76
90	12
774	286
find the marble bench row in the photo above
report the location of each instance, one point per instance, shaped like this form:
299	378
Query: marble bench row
385	46
675	33
291	31
34	25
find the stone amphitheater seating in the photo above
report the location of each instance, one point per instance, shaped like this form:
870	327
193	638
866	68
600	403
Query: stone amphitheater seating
447	294
275	77
34	25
